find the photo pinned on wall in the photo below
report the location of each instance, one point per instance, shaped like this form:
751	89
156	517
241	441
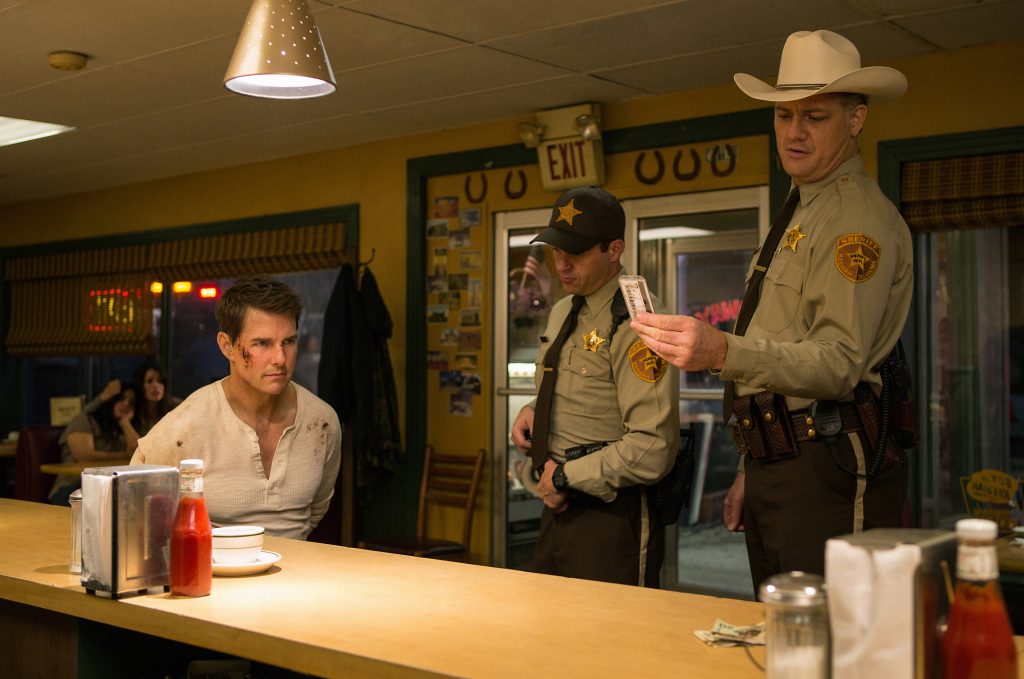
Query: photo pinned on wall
458	281
452	299
450	380
459	238
437	360
469	217
440	261
467	362
461	404
437	313
469	318
470	340
471	259
471	383
438	283
446	206
437	228
474	292
450	337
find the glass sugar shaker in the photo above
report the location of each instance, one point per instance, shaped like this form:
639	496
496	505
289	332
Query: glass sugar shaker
75	500
796	626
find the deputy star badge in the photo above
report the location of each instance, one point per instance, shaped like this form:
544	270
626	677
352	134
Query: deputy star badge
793	236
568	212
591	341
857	256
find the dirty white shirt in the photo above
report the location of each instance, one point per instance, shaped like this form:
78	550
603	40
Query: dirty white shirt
288	504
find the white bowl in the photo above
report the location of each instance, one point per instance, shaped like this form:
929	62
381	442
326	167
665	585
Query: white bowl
237	544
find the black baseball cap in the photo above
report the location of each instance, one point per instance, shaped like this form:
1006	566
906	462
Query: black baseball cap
581	218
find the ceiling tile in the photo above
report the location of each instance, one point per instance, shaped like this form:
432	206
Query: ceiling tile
482	20
675	29
700	70
971	25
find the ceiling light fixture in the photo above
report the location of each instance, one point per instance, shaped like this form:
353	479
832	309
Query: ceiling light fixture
280	54
16	130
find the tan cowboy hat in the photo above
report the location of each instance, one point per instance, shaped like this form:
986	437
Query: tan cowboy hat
816	62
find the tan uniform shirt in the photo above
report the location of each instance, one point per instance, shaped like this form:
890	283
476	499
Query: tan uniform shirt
835	296
620	393
288	504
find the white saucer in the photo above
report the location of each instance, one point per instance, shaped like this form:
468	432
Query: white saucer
265	560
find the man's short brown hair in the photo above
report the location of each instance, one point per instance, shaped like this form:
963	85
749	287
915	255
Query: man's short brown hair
255	292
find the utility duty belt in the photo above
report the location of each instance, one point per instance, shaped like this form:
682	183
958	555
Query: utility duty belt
576	452
767	430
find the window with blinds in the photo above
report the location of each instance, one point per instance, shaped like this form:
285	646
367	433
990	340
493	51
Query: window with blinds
99	301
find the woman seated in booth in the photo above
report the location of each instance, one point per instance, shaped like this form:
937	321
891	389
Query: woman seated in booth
99	436
154	400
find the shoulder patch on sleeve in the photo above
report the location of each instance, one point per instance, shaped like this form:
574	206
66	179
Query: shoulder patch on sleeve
857	256
646	364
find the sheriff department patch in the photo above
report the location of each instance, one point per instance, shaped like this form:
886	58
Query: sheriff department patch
857	256
646	364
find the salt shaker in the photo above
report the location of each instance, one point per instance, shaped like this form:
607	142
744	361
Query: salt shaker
796	626
75	500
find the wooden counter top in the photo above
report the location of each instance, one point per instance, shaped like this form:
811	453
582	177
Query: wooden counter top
335	611
72	468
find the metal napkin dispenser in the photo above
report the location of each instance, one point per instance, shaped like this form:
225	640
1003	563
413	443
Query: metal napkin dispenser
127	518
887	590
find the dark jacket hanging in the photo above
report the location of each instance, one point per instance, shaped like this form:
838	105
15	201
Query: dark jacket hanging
356	377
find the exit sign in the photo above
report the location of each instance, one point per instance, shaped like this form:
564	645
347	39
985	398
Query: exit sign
569	162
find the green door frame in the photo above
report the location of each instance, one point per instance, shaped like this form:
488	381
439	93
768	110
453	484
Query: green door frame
395	513
891	156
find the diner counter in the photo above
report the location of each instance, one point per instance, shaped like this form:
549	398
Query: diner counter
335	611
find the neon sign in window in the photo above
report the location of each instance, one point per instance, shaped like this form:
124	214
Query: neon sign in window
113	309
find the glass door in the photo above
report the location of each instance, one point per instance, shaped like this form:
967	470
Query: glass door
523	296
694	251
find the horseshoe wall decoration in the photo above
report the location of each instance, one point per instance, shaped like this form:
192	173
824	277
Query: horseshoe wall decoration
638	168
483	189
513	195
692	174
730	152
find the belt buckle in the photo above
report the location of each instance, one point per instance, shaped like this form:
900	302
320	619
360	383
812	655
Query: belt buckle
737	438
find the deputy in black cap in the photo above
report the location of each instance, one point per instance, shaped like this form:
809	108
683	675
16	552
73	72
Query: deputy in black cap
605	425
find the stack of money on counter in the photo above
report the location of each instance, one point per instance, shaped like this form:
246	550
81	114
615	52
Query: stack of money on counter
724	634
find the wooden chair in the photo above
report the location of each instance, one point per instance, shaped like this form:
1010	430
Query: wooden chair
450	480
36	446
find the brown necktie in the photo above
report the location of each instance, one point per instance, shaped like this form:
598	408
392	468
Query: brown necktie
542	413
753	293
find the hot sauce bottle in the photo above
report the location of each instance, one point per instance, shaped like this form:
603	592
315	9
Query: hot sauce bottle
979	640
192	537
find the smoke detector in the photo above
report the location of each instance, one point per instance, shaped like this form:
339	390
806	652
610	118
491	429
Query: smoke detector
67	61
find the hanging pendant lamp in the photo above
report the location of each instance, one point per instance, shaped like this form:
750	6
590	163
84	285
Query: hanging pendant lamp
279	54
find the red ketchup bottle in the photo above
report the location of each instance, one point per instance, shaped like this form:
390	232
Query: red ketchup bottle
192	537
979	640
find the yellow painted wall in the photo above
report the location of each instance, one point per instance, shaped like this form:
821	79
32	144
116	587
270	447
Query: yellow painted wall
971	89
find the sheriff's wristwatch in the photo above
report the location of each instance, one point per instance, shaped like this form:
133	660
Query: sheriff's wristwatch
558	479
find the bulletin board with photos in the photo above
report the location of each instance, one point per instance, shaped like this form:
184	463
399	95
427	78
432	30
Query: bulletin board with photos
456	245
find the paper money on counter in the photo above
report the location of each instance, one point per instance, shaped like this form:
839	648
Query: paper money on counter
724	634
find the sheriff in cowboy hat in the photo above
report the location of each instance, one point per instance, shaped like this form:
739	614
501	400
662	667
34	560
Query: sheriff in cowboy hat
834	278
821	98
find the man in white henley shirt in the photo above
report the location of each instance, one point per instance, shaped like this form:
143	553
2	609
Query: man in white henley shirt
271	448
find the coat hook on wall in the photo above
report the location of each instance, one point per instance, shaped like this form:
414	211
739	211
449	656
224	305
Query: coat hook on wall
373	253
